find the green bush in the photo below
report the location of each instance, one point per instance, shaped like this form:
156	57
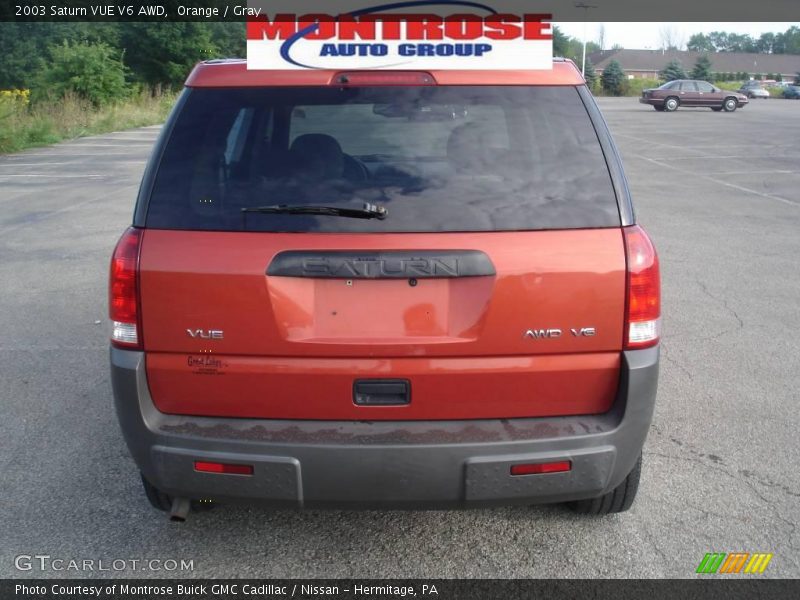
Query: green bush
613	79
728	85
672	71
92	71
72	116
590	75
702	69
634	87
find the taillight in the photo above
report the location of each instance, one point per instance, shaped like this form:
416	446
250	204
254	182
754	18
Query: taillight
123	291
643	318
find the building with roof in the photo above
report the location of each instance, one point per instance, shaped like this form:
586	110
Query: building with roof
647	63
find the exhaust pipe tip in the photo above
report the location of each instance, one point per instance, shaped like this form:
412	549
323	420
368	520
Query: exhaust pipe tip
180	510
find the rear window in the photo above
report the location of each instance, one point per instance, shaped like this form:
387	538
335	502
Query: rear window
438	158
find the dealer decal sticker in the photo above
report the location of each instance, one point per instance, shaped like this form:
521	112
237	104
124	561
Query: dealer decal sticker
418	34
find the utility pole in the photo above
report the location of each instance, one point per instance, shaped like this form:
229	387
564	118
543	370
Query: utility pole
585	8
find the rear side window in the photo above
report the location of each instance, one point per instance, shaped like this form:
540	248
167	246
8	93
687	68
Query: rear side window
438	158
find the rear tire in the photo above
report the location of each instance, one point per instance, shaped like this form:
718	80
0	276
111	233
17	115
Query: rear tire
617	500
163	501
158	499
730	104
671	104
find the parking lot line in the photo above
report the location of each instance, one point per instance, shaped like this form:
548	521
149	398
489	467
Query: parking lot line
715	180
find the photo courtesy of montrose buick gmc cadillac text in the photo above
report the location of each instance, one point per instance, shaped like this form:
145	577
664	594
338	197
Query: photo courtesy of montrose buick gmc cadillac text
385	289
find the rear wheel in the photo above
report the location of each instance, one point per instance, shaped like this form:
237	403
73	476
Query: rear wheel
157	498
730	104
617	500
671	104
163	501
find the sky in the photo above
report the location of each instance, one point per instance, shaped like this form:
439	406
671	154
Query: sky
648	35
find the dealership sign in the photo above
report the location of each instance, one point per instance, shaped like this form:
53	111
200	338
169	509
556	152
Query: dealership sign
402	35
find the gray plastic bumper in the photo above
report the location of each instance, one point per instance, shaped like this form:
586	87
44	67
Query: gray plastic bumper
398	463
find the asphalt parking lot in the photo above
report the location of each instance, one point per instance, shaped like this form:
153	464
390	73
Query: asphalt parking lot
720	194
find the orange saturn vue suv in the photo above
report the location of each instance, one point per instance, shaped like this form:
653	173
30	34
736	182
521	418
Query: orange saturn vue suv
385	288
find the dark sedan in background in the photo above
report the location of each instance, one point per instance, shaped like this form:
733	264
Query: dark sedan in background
791	92
686	92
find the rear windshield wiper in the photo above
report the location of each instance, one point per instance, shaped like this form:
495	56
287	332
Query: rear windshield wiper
368	211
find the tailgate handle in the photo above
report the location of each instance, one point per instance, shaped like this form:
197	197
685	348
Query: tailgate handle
381	392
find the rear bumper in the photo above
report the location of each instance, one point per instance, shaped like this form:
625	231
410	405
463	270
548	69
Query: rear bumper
392	463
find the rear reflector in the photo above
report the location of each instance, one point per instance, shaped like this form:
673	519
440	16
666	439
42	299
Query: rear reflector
539	468
123	291
643	313
225	468
384	78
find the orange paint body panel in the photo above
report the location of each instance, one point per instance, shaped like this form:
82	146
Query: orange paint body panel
442	388
292	347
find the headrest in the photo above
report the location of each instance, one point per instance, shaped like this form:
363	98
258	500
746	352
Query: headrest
466	148
318	156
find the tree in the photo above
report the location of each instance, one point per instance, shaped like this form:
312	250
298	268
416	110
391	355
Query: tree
590	74
560	42
229	38
93	71
700	43
613	78
718	40
766	43
164	53
670	38
790	40
570	47
741	43
702	69
672	71
22	46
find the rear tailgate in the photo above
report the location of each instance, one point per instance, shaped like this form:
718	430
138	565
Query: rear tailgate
541	336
